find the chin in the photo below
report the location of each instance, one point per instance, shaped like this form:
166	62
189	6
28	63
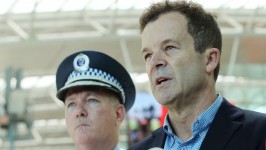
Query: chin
164	100
82	139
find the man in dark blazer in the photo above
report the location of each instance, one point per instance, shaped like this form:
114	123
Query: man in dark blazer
232	129
181	47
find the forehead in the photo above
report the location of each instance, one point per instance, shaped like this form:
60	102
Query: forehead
91	90
167	26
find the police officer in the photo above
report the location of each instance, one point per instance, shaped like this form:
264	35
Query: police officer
96	91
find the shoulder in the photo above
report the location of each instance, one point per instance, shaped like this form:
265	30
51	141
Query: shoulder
243	115
254	118
248	119
154	140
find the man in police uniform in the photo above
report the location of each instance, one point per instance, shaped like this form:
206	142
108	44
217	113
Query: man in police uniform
97	91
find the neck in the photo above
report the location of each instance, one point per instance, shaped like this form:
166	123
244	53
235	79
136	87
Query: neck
186	110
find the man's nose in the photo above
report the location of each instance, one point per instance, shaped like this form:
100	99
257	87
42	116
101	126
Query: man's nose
157	60
81	111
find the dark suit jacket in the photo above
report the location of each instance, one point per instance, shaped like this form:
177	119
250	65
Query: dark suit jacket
232	129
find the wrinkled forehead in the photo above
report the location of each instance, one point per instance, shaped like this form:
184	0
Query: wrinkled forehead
94	89
169	26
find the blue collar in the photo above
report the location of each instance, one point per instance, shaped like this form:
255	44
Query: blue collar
116	148
202	122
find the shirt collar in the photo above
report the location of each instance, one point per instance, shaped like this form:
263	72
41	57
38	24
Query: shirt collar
116	148
203	120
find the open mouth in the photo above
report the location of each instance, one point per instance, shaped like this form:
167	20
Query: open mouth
161	80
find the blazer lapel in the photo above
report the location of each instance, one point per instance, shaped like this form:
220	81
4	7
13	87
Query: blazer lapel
223	127
159	137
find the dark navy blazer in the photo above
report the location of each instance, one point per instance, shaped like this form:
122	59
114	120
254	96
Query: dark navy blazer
232	129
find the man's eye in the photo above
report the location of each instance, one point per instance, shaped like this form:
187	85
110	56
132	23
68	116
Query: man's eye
169	47
147	57
71	104
92	100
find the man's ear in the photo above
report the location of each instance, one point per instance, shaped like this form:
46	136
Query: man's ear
120	113
212	59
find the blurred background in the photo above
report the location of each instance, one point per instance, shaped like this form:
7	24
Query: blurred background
35	36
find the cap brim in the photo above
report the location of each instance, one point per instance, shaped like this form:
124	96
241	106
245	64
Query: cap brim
62	92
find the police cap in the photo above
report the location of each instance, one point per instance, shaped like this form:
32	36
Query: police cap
92	68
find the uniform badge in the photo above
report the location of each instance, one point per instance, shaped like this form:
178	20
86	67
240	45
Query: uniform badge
81	63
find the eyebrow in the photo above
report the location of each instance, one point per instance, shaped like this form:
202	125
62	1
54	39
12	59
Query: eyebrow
167	41
145	50
68	98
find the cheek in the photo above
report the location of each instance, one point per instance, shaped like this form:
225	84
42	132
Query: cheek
149	72
69	126
68	119
107	116
147	68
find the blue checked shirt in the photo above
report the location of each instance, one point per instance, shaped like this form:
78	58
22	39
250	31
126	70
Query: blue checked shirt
117	148
199	130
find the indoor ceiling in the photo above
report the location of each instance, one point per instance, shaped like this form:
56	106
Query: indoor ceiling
35	39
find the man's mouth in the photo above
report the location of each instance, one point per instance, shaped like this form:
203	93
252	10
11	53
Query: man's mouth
161	80
82	125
